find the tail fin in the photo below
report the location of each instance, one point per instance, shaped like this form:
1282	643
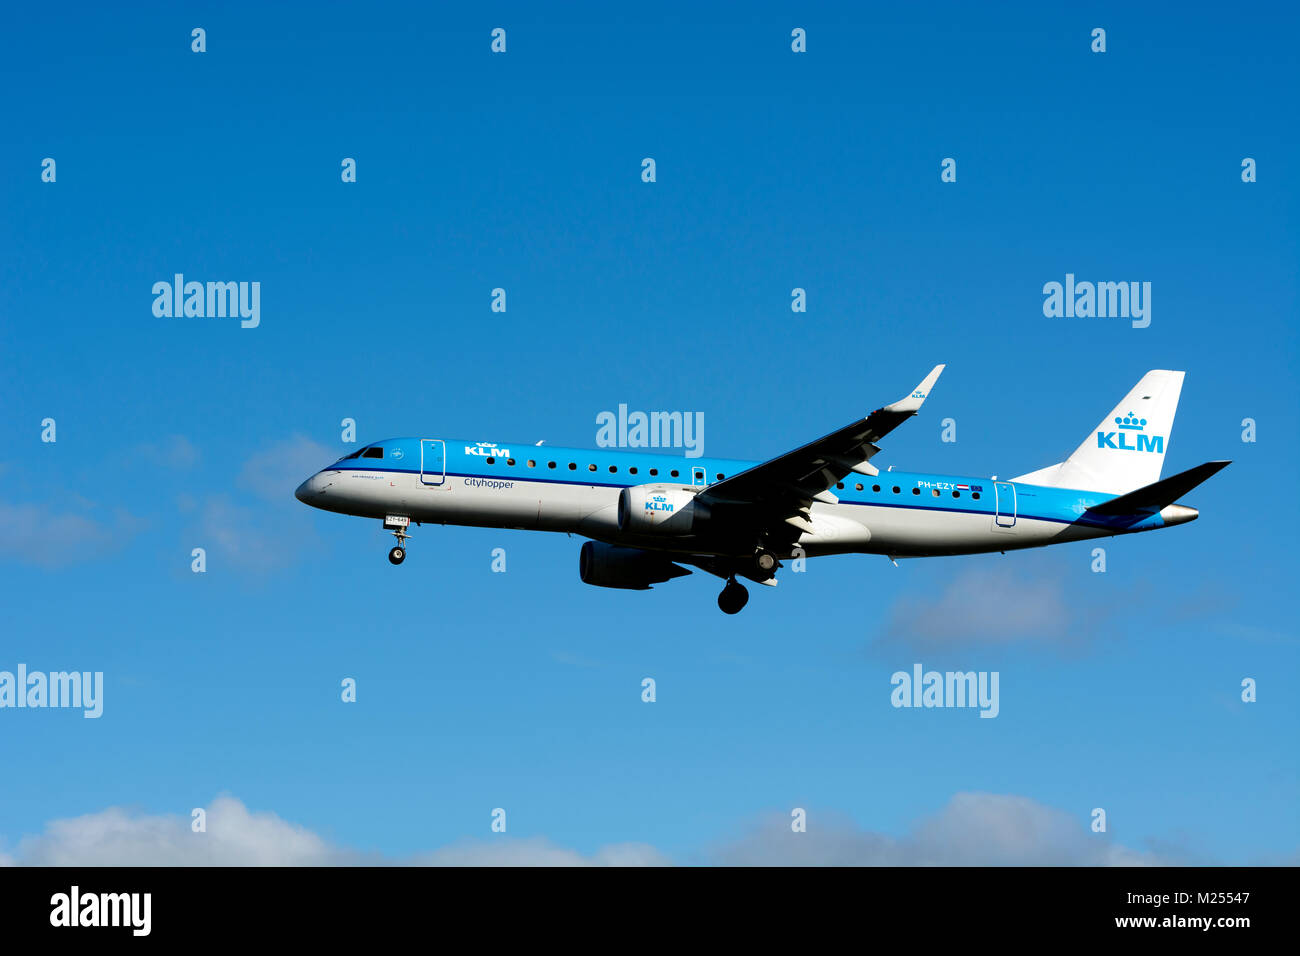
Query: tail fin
1127	448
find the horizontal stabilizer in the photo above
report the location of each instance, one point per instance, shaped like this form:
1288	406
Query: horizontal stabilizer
1155	496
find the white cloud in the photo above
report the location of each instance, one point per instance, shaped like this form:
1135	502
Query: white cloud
56	537
277	470
236	836
975	829
249	541
985	606
269	529
538	851
574	660
174	451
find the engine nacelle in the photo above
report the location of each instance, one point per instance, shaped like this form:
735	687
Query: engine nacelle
609	566
660	509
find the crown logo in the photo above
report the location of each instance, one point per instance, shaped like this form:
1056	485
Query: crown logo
1131	422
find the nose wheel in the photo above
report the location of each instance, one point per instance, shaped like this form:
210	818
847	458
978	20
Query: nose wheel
733	597
398	525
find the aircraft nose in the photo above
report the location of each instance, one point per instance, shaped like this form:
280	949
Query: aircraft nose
310	488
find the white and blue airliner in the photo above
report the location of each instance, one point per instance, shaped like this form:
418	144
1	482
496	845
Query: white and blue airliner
652	517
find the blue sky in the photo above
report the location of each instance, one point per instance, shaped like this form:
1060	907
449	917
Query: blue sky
775	170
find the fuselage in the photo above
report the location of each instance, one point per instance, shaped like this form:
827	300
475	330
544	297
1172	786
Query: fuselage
895	513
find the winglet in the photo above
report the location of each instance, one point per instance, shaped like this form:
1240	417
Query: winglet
912	402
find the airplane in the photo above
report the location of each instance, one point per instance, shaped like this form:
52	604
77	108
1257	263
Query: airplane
649	516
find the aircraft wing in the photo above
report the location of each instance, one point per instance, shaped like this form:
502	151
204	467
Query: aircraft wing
788	484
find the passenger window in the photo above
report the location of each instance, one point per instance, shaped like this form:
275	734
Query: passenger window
840	485
956	494
613	469
858	486
721	476
936	492
510	461
673	472
916	491
895	489
572	467
591	467
632	470
975	495
373	453
653	472
875	487
550	464
531	463
491	461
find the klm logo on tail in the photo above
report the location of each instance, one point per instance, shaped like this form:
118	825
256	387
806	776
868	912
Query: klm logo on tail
1119	439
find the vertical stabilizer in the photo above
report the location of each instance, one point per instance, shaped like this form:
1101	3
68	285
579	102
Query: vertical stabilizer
1127	448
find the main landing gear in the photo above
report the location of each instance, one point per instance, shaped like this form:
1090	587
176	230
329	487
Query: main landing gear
733	597
760	567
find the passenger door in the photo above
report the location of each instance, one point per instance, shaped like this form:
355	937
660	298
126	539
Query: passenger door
433	461
1004	495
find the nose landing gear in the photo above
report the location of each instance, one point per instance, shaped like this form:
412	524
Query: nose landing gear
397	524
733	597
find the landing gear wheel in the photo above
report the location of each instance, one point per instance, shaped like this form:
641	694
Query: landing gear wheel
765	561
733	597
398	554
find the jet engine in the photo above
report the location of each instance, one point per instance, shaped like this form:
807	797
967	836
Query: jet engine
660	509
609	566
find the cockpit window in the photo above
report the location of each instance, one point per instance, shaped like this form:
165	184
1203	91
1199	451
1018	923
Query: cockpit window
355	454
375	452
